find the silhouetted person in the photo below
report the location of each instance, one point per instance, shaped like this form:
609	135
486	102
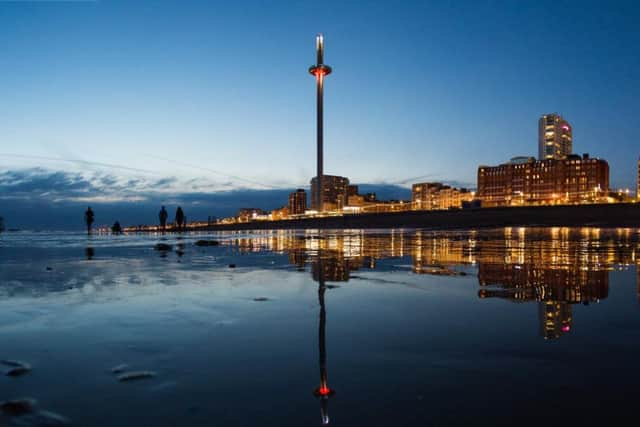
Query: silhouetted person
116	228
89	252
163	218
179	218
88	218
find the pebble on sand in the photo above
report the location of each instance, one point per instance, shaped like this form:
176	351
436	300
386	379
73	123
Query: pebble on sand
207	243
41	419
18	406
135	375
260	299
120	368
15	363
232	266
18	371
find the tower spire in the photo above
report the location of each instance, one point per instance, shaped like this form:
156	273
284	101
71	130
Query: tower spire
319	70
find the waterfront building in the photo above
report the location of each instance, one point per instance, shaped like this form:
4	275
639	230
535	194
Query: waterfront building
380	206
638	187
280	213
526	181
435	195
356	200
370	197
298	202
247	214
363	201
554	137
333	195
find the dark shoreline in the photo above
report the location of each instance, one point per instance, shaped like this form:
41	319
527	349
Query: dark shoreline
625	215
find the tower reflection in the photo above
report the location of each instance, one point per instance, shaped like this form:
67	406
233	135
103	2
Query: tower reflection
325	268
638	281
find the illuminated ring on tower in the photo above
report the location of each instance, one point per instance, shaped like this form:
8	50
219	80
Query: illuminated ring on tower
320	70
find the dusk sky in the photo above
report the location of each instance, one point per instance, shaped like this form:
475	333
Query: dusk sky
189	96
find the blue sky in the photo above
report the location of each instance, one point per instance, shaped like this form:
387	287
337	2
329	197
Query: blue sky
218	94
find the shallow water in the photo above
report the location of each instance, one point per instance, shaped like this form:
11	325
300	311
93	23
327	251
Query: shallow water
407	327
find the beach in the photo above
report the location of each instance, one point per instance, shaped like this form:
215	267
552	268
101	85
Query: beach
405	327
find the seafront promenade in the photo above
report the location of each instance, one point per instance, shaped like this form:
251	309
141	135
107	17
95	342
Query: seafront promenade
602	215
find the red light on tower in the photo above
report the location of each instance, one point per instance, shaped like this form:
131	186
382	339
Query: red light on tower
324	391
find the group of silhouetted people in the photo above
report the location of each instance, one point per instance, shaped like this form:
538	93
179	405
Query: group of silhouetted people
180	219
116	228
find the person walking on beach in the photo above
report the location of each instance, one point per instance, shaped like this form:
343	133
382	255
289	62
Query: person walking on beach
163	218
179	218
88	218
116	228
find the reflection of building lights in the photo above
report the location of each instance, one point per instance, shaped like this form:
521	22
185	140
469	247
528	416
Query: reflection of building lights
554	267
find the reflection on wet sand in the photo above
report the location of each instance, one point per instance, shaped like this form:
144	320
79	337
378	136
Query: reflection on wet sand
323	392
554	290
638	282
554	267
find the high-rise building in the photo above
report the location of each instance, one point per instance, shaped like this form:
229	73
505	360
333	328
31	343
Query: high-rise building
524	181
638	188
554	137
297	202
333	195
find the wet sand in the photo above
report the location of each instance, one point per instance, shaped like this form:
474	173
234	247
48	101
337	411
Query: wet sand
207	344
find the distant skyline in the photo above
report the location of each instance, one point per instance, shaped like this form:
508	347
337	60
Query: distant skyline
199	96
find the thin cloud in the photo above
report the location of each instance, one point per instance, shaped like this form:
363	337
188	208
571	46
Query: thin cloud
100	187
76	161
